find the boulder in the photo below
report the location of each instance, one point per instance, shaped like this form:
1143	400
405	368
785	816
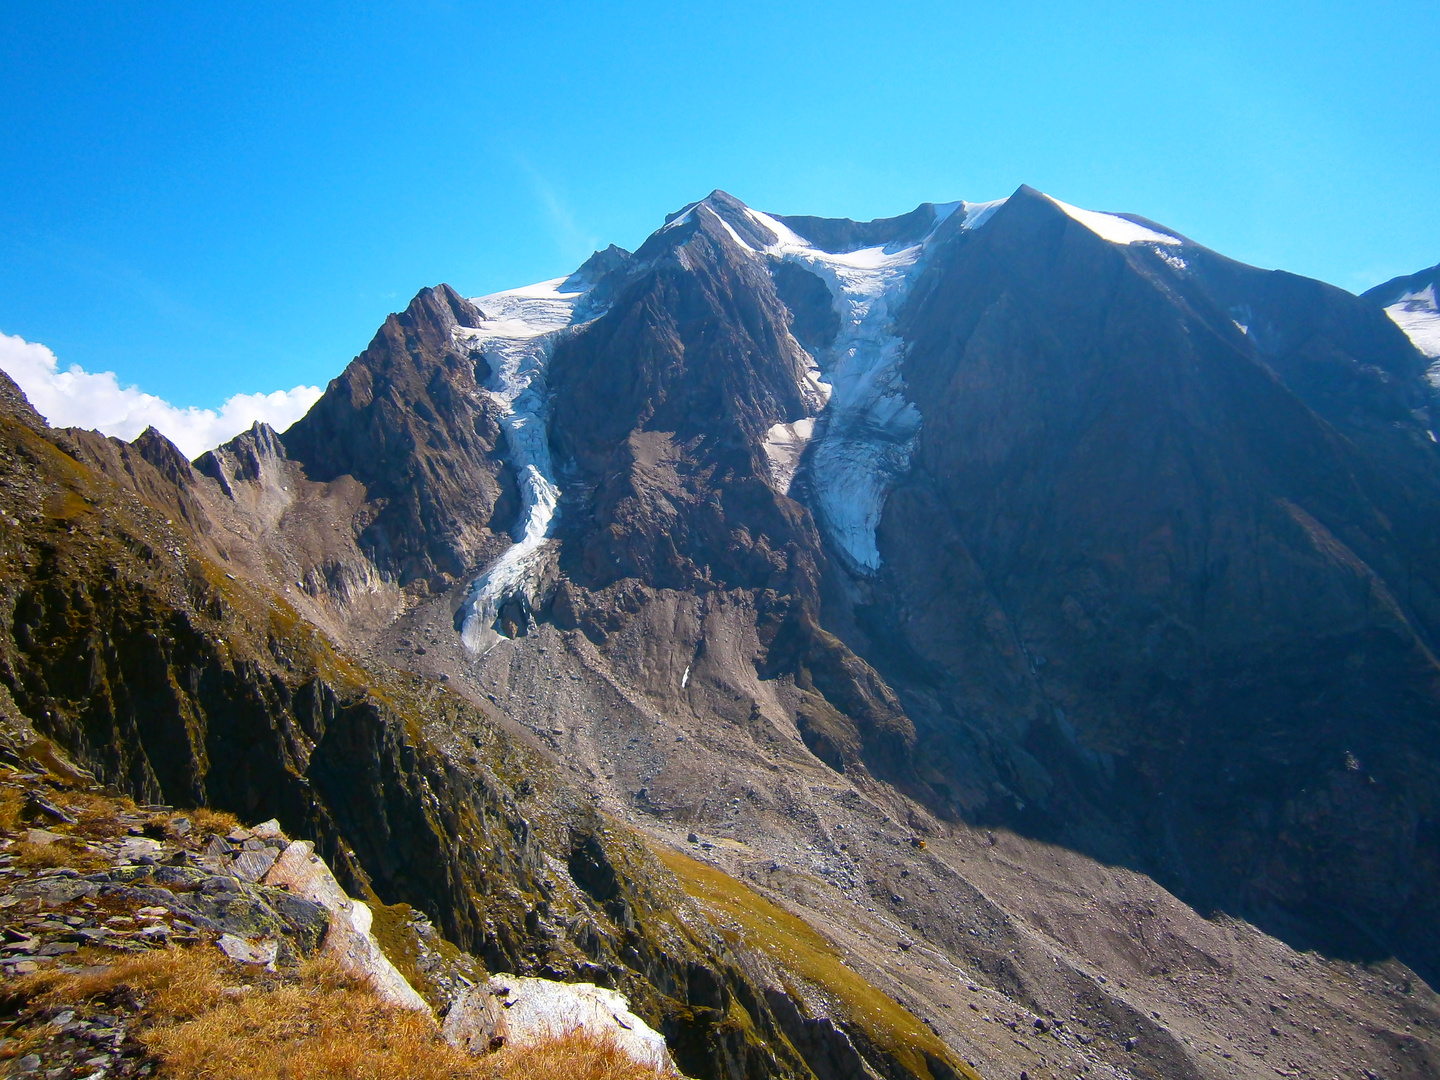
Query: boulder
348	940
247	952
535	1009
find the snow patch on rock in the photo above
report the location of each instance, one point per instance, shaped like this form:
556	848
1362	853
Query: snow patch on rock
977	214
784	443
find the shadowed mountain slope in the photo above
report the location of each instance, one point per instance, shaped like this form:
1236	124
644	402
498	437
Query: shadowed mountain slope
1189	511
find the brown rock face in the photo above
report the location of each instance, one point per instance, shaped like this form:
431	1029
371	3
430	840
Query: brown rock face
409	419
662	404
661	407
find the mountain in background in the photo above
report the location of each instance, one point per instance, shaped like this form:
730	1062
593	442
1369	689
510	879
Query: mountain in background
1042	606
1410	301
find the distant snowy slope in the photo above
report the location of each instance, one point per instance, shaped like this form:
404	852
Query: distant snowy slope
1113	227
1410	301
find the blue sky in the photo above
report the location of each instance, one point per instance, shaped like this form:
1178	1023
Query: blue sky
214	200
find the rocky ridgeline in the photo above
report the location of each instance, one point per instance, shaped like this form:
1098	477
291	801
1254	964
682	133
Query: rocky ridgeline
87	880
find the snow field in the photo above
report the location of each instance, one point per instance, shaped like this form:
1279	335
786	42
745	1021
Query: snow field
1416	314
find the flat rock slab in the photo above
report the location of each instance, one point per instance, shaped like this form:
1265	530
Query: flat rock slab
249	952
133	848
253	865
56	890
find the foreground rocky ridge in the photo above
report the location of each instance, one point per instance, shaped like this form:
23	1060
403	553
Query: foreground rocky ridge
96	958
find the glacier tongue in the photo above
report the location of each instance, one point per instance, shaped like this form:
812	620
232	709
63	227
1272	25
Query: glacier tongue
867	428
516	338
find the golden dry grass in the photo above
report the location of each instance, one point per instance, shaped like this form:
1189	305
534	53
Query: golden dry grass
574	1055
213	821
318	1027
12	805
801	950
205	1018
59	853
176	983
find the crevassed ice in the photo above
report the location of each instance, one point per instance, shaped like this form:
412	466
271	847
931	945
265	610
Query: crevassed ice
1416	314
866	430
516	339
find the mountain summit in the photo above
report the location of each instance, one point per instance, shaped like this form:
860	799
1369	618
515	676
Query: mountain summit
1040	604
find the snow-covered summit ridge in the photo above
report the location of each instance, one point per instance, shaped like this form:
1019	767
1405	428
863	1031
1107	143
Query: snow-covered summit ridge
1113	227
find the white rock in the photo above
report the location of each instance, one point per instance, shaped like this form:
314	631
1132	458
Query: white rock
539	1008
476	1022
268	830
241	951
349	939
137	847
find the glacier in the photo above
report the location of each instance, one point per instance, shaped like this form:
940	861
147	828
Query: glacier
516	337
865	430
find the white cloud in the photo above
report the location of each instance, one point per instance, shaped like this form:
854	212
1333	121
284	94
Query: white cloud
79	398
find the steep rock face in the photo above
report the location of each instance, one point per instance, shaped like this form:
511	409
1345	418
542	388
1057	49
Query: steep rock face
661	407
410	421
662	403
1194	569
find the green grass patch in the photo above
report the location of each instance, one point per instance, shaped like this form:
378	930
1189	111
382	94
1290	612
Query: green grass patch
798	948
